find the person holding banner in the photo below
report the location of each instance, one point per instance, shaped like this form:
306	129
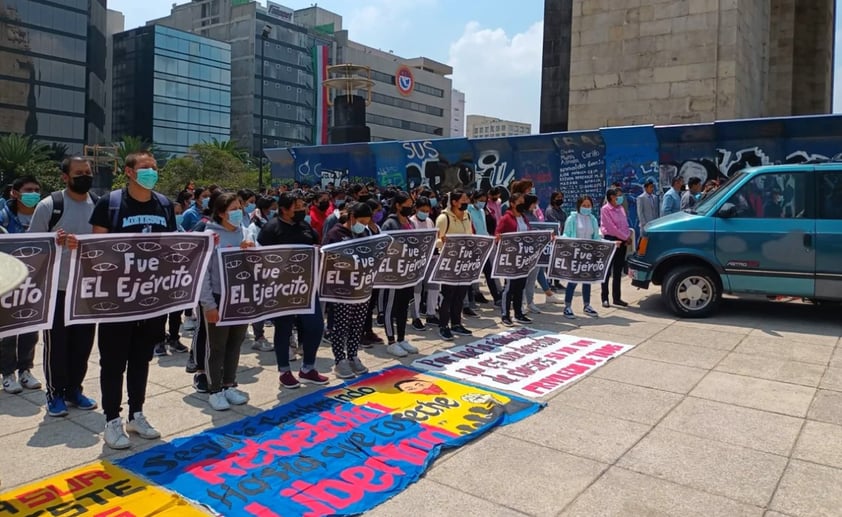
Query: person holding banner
222	357
454	220
420	221
397	300
614	227
513	220
127	347
580	224
267	208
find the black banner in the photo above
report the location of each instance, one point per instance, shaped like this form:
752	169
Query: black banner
30	306
264	283
348	268
127	277
406	259
462	258
581	260
518	253
544	259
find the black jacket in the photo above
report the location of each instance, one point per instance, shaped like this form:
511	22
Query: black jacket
277	231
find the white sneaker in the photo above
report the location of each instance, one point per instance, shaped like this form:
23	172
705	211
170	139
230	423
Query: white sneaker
409	347
141	427
554	298
189	324
28	381
115	436
11	384
533	308
235	396
262	345
218	401
396	350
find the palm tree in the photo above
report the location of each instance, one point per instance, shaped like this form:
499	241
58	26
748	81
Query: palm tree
58	152
129	145
17	152
227	146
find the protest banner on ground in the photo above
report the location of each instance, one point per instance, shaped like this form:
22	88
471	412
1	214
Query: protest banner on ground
339	451
406	259
348	268
99	489
461	259
581	260
30	306
124	277
264	283
544	259
524	361
517	253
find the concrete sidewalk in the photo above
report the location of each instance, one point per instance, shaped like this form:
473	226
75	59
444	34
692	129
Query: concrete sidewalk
740	414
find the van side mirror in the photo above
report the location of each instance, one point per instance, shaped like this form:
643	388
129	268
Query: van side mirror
727	211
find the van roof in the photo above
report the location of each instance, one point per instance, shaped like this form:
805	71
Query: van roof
793	167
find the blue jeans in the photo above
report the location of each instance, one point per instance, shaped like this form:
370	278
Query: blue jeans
310	330
571	288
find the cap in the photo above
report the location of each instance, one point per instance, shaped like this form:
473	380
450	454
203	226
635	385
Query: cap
12	273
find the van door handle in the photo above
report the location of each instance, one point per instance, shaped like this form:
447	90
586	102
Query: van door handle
808	240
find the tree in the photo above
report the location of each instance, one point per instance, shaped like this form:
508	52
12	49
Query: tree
58	152
205	165
226	146
18	152
129	145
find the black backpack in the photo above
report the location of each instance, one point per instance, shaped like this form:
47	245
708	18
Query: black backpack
58	207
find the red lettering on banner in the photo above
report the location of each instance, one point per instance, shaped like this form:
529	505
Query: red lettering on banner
607	350
44	495
470	370
589	361
555	380
111	513
258	510
584	343
364	477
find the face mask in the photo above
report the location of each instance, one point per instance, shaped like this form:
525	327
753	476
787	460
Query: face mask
339	203
558	202
147	178
30	199
378	216
324	205
205	202
481	205
272	214
434	202
532	191
364	198
250	208
276	198
620	200
698	196
357	228
585	211
463	207
299	216
307	219
406	211
81	184
235	217
179	219
422	216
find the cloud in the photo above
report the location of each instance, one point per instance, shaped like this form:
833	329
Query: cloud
376	22
500	75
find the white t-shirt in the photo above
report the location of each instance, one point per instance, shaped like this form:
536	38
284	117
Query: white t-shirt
521	224
584	226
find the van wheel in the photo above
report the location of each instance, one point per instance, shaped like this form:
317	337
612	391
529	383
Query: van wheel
692	291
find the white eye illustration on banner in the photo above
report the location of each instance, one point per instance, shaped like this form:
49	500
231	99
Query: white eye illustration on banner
271	303
393	251
586	246
511	249
599	254
248	309
92	254
121	247
392	278
297	300
184	246
273	259
380	245
380	255
176	258
412	240
253	259
342	291
149	302
105	306
333	257
566	253
528	240
149	247
234	264
367	250
300	257
26	313
427	240
103	267
343	265
179	295
452	253
30	267
243	275
26	252
294	269
349	251
469	244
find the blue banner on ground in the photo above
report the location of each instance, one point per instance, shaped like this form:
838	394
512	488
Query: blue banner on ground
340	451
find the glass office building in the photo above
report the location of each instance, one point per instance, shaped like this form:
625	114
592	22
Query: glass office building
171	87
52	70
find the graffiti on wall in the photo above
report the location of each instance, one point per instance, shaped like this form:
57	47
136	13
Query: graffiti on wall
581	168
493	171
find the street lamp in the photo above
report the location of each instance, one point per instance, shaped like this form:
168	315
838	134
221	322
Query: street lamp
267	31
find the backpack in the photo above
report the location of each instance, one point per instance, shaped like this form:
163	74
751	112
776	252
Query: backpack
115	200
58	207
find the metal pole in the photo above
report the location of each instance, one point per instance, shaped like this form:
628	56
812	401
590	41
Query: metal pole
262	102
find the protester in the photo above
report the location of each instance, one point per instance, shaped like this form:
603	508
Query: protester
320	210
554	212
693	194
421	221
248	200
267	208
495	203
647	205
614	227
672	197
201	198
581	224
484	224
513	221
454	220
377	302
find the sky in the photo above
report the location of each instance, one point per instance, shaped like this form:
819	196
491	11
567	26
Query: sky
493	47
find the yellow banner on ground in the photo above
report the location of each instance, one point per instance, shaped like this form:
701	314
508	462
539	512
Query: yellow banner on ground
97	490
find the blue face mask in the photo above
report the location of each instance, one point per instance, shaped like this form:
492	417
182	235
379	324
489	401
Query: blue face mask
307	219
235	217
434	202
698	196
585	211
276	198
250	208
357	228
179	219
147	178
30	199
205	202
422	216
620	200
272	214
481	205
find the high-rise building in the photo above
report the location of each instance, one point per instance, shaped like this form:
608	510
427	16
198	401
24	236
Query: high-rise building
480	126
171	87
658	62
457	113
53	71
115	24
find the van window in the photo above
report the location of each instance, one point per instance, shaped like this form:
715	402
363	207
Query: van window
773	196
830	195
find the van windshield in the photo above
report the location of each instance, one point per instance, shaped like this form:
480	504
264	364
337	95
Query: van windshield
710	201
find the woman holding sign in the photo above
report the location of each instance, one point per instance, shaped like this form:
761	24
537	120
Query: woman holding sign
514	221
454	220
581	224
222	356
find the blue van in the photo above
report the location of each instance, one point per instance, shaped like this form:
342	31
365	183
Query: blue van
771	230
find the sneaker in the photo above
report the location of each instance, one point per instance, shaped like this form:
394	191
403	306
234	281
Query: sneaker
56	406
507	321
523	319
372	338
178	347
343	370
262	344
218	402
417	324
498	303
568	313
590	312
140	426
533	308
408	347
313	377
234	396
551	298
461	330
445	334
620	303
467	311
11	384
358	367
396	350
191	366
605	304
115	435
381	319
78	400
161	349
288	381
189	324
433	320
200	383
479	298
28	381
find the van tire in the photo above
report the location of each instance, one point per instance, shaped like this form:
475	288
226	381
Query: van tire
686	286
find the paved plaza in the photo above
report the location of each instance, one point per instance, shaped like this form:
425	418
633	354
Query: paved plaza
740	414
